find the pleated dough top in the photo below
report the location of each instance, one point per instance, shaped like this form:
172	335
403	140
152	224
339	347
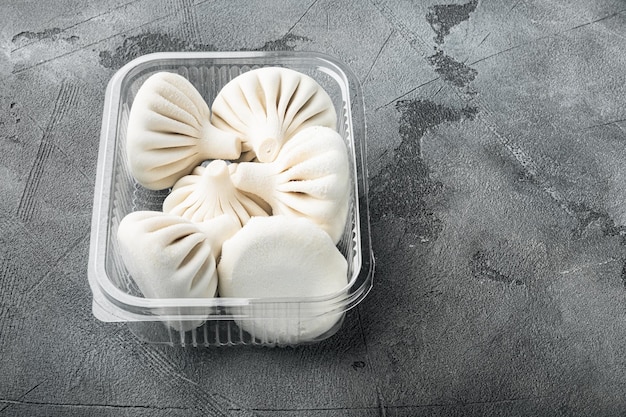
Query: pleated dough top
309	178
208	192
265	107
170	133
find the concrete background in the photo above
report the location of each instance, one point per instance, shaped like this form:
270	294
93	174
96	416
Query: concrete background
496	139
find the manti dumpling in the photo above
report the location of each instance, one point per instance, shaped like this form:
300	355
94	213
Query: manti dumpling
284	257
170	257
265	107
208	192
170	133
309	178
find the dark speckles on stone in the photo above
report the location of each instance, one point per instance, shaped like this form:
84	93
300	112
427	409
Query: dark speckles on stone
451	70
404	187
136	46
53	34
48	33
588	216
285	43
482	269
443	17
418	116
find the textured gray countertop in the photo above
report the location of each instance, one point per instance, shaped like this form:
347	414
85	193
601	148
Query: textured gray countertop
496	147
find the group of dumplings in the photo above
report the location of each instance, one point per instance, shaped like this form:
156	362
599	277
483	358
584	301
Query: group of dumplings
260	188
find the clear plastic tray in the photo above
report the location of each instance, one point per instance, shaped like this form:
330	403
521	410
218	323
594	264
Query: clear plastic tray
213	321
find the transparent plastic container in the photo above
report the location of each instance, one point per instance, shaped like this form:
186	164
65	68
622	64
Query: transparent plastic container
220	321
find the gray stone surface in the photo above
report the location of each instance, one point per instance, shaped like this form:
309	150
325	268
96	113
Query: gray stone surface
496	140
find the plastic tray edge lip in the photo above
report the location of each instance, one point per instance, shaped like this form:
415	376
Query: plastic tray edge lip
155	56
100	187
368	262
103	294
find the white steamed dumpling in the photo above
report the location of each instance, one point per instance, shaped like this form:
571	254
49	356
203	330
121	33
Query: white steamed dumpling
265	107
280	256
170	257
208	192
170	132
309	178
